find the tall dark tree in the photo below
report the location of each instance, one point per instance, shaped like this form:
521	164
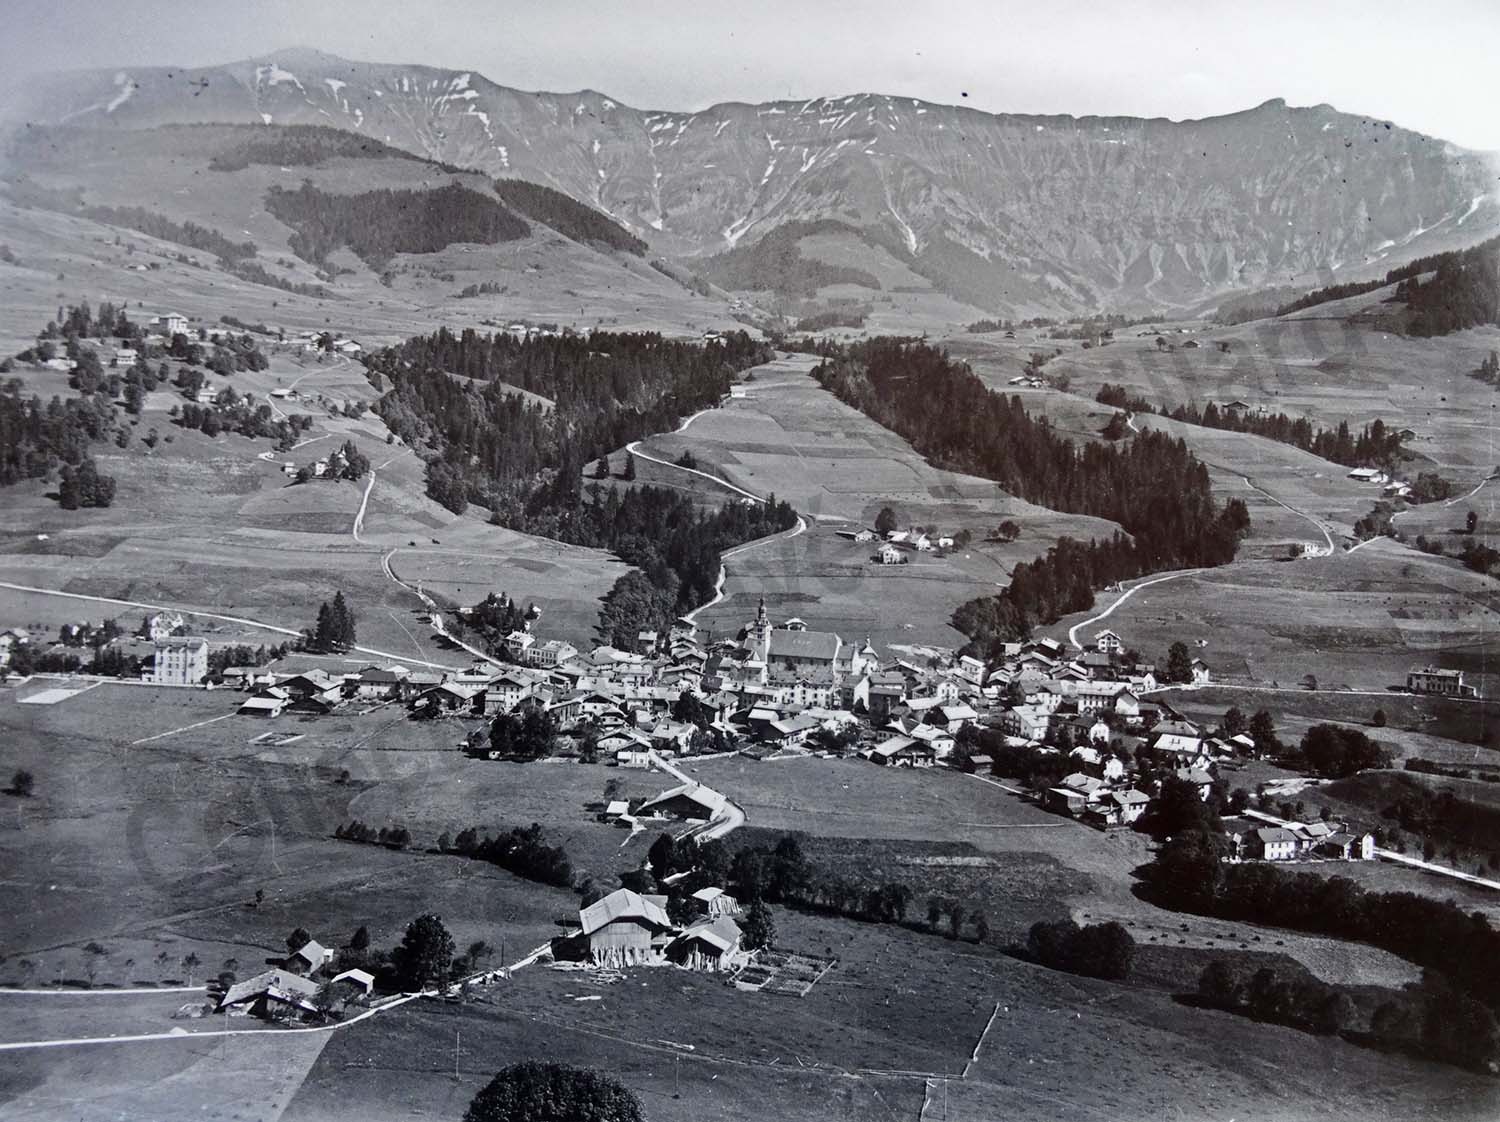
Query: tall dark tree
1179	666
759	928
425	955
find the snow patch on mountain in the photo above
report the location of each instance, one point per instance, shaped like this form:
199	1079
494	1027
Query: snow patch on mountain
126	88
272	75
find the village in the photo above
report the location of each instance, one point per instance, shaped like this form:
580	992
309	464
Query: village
1090	728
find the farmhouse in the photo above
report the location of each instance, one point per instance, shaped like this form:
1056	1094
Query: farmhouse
888	555
1107	642
1435	680
272	994
902	751
625	929
1347	847
180	662
1272	843
689	800
450	697
375	683
709	944
310	957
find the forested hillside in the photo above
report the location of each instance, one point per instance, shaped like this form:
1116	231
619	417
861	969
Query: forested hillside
1151	485
567	216
377	225
304	146
456	394
1463	292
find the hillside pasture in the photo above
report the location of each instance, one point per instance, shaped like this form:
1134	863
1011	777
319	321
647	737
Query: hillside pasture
1357	619
789	437
895	1020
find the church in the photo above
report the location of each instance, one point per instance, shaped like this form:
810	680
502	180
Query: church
792	648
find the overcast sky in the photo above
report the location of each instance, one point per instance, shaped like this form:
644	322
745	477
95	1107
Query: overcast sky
1426	65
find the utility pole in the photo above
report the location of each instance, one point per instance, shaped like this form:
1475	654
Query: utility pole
455	1054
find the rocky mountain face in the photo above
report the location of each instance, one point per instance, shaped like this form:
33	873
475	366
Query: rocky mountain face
1010	212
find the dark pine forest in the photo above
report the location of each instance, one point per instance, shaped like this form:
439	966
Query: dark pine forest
1151	485
524	459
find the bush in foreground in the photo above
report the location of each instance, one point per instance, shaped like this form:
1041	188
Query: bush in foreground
534	1092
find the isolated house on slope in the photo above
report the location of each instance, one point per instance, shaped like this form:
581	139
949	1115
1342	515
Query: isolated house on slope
271	994
625	929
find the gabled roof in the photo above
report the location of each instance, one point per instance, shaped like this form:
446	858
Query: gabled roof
894	746
1269	834
312	952
705	797
721	933
622	904
275	983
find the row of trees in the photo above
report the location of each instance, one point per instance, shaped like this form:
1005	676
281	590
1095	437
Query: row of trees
1096	950
1376	443
1152	486
1429	1019
522	850
1188	874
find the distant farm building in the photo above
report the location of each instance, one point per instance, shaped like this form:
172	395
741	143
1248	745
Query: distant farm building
1435	680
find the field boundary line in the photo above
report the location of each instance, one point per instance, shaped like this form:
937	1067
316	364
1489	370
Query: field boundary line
184	728
102	991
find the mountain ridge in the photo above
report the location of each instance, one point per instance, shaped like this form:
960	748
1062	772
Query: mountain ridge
1018	212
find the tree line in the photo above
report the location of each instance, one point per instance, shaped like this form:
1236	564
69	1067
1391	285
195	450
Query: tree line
1428	1019
567	216
1152	486
1188	874
1376	443
377	225
300	146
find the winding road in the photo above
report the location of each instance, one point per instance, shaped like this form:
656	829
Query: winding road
1105	614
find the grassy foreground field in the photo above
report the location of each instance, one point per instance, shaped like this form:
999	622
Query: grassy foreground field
897	1018
156	816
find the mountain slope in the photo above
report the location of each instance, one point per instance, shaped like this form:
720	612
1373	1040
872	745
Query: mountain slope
310	228
1008	211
